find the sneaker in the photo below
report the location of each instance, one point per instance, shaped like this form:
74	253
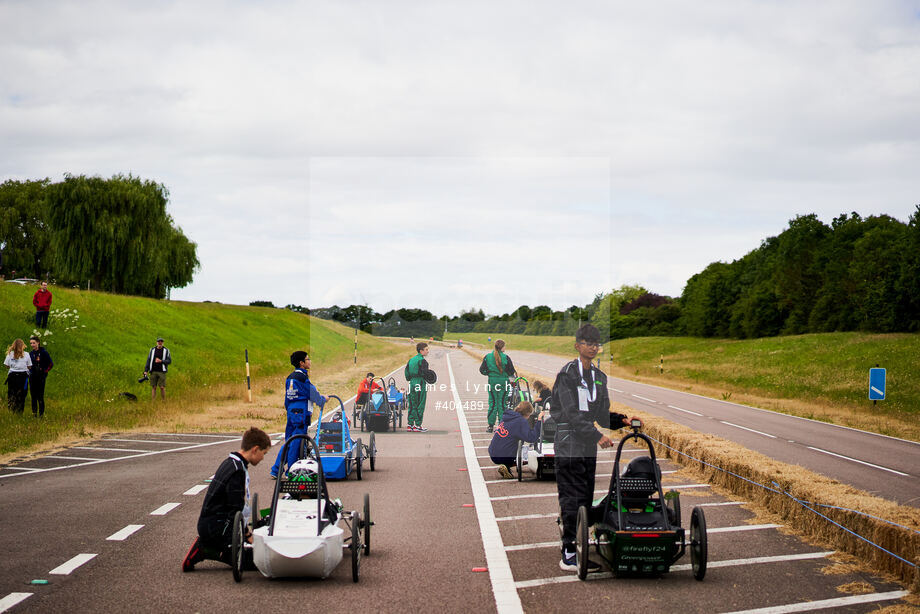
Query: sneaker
569	563
273	476
490	429
410	428
505	472
194	556
421	429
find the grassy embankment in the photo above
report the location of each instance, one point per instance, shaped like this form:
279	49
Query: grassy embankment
102	353
734	470
820	376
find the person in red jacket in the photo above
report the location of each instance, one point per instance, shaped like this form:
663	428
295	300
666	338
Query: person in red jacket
42	302
366	386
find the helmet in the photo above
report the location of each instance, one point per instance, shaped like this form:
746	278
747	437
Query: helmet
304	470
641	467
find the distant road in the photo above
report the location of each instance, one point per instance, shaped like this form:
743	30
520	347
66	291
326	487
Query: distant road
884	466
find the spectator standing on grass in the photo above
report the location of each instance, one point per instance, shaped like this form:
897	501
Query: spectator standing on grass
497	366
42	302
158	361
579	400
419	376
300	395
41	365
17	380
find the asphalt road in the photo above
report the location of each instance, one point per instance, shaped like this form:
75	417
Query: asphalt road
136	518
884	466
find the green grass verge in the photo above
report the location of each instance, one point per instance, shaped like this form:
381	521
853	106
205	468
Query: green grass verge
803	374
102	353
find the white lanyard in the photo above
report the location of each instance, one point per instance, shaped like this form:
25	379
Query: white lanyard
592	395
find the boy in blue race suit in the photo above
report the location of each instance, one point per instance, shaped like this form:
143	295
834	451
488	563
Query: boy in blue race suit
299	397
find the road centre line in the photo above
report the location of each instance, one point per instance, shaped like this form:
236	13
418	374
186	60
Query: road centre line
711	564
617	390
64	569
165	509
644	398
139	440
194	490
109	450
596	492
686	411
821	604
507	600
738	426
145	453
12	599
855	460
128	531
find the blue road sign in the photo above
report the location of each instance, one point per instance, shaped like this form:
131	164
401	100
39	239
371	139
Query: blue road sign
876	384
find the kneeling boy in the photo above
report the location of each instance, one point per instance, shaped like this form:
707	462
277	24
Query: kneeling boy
227	495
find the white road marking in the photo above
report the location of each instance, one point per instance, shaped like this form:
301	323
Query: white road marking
12	599
110	460
720	503
855	460
26	469
617	390
125	533
86	458
603	492
187	435
738	426
645	399
506	596
820	604
525	517
686	411
744	527
194	490
710	565
532	546
165	509
109	450
65	568
599	475
172	443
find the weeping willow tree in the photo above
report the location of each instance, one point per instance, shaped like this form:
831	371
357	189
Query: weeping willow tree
25	239
116	234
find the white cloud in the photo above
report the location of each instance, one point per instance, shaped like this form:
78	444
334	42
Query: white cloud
312	150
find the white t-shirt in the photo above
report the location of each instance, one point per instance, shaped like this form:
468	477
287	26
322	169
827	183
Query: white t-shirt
18	365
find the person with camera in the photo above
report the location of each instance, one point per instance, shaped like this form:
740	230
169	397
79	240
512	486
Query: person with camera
158	361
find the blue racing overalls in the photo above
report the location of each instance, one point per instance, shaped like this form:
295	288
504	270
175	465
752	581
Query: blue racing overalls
299	397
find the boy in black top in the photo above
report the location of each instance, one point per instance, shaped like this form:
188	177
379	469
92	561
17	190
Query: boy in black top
227	495
41	365
579	400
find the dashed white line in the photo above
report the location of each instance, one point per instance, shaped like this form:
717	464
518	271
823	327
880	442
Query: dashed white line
128	531
820	604
526	517
12	599
856	460
738	426
645	399
744	527
686	411
710	565
139	440
65	568
194	490
617	390
507	600
602	492
86	458
110	450
165	509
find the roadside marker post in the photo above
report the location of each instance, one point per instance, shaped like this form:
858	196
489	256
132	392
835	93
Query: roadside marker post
877	384
248	383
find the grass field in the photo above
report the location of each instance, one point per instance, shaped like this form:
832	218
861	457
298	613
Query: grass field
821	376
99	346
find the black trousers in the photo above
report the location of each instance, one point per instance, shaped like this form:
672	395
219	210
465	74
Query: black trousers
575	481
16	391
37	391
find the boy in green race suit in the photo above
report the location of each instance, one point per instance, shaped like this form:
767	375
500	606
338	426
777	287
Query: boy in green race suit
497	366
418	375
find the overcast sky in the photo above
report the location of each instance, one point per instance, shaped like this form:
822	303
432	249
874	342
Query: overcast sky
450	155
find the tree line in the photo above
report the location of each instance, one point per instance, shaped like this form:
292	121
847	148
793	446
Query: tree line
113	234
854	274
